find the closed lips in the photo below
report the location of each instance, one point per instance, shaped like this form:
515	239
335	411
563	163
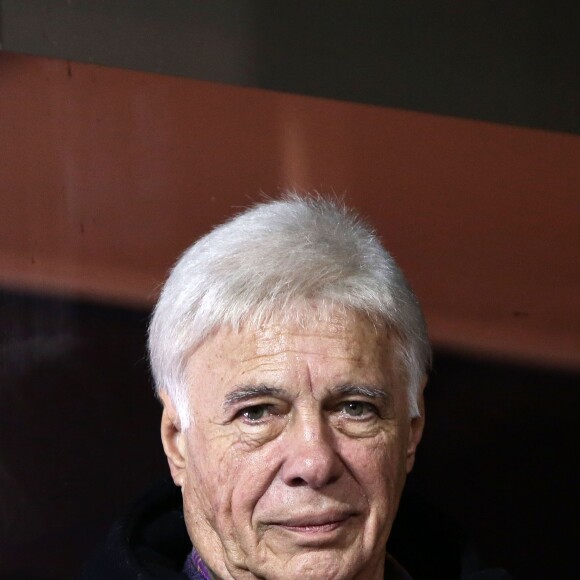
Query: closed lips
314	520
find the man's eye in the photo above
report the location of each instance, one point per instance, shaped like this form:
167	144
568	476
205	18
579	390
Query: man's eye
358	409
255	412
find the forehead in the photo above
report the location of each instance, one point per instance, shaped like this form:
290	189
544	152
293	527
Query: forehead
342	334
344	345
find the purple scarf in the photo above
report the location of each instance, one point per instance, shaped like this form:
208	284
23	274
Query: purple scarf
194	567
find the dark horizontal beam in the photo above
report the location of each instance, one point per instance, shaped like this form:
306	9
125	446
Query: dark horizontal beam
505	61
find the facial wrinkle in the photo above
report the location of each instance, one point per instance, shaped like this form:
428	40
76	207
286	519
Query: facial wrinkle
241	491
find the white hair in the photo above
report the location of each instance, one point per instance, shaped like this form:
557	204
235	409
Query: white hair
267	261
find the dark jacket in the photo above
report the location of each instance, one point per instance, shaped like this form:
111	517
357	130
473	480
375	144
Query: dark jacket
151	542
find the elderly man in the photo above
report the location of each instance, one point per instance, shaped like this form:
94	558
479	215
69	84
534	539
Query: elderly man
290	356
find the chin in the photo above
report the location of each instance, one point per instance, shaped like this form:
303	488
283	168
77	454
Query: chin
315	565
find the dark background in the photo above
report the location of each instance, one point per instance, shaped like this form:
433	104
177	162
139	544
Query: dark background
79	441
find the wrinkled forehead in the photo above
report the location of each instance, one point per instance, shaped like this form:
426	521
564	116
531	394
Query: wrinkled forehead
340	333
340	341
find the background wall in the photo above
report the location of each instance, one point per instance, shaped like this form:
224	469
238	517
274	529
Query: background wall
452	128
107	175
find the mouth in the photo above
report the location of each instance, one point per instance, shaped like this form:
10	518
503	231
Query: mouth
314	528
315	524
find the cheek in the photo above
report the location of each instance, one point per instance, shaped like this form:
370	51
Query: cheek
254	474
227	478
379	467
211	473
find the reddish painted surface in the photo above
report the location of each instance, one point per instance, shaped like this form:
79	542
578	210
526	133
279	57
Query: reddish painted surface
106	175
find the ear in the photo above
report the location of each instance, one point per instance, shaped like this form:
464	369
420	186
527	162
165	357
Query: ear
416	428
173	439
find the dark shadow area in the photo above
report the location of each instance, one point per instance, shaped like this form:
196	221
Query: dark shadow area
79	441
500	457
78	429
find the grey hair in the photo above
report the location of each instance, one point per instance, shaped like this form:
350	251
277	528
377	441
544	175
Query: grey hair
270	259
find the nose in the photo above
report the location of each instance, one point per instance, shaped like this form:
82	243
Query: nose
310	455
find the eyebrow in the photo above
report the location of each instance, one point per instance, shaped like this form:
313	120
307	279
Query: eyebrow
248	392
245	393
362	390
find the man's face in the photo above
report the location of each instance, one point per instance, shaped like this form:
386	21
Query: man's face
298	449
